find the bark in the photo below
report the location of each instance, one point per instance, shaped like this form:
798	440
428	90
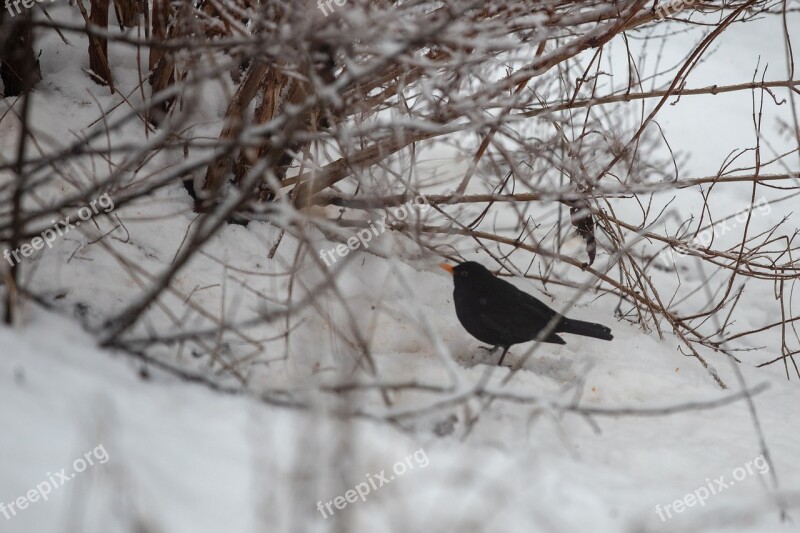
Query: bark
128	12
19	68
98	46
221	167
162	65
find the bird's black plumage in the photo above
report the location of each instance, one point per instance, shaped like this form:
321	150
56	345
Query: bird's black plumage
496	312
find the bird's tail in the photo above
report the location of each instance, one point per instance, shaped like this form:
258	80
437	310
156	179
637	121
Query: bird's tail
587	329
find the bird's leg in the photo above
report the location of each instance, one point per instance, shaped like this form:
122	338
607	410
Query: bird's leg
505	351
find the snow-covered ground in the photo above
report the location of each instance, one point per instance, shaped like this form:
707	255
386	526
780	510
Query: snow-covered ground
173	456
183	458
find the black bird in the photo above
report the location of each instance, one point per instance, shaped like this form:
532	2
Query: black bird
496	312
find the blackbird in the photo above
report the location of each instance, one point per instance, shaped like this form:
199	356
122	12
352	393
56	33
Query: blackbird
496	312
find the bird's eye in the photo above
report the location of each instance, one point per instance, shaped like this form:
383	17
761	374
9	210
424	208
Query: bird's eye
464	273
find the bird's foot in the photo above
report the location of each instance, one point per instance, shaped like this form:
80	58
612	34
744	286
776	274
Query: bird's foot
503	356
489	351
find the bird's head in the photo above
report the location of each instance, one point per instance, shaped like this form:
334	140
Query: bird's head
469	271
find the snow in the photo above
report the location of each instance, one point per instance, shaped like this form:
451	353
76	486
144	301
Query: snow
182	458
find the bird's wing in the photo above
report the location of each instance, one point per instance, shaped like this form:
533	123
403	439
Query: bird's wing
510	313
516	328
500	325
530	307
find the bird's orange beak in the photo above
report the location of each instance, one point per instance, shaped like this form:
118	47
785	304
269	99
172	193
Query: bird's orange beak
447	267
